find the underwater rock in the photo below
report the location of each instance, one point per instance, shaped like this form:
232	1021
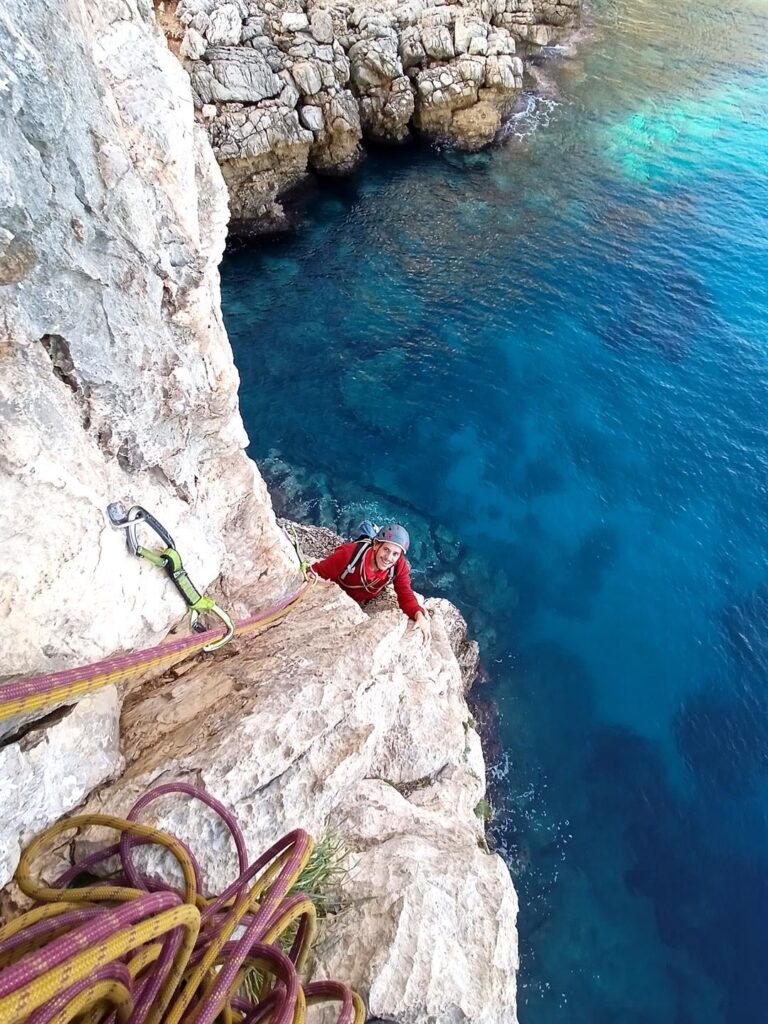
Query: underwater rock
722	736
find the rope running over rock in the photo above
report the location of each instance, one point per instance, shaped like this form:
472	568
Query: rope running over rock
35	694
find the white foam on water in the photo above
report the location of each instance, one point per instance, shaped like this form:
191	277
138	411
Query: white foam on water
536	113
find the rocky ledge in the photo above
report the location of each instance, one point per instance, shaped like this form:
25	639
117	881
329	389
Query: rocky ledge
342	721
295	84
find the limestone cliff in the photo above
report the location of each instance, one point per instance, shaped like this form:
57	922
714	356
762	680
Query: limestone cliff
117	382
287	85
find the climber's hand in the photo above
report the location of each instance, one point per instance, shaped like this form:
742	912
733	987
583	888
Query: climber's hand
422	624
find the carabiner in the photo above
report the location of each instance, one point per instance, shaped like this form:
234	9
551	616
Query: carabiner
129	521
212	608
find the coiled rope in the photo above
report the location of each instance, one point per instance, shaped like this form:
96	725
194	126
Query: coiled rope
134	950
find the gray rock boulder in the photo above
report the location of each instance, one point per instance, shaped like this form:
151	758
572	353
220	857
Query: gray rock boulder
224	26
292	21
321	26
375	62
193	45
233	74
307	76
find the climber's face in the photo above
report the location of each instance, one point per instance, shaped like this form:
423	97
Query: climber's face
385	555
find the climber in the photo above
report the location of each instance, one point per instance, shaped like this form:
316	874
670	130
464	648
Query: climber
365	566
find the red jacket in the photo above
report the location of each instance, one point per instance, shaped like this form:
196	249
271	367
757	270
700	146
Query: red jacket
364	583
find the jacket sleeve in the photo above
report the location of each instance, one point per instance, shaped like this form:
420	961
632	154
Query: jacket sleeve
333	566
405	595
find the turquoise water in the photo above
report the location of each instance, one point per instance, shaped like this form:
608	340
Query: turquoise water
551	361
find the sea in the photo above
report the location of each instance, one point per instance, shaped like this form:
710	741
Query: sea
549	360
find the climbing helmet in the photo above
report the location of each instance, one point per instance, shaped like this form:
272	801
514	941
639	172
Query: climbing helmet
393	533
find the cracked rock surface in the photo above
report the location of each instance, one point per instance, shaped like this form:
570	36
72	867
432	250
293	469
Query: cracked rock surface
116	376
117	380
288	85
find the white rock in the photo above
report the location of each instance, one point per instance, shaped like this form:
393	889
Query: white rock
307	77
500	73
234	75
193	45
410	12
411	48
432	936
294	21
186	10
321	26
438	42
327	76
470	36
500	42
374	62
224	26
311	118
471	69
290	95
52	768
367	733
200	23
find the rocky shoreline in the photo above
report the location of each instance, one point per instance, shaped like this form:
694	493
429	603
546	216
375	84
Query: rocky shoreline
293	87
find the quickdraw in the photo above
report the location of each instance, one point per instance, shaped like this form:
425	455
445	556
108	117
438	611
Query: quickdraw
303	563
170	560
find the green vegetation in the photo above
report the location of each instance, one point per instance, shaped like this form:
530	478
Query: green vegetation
321	878
484	811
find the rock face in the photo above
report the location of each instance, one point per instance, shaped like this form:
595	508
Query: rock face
116	377
117	382
340	720
45	771
295	84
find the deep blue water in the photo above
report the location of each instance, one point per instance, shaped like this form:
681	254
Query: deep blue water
550	360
